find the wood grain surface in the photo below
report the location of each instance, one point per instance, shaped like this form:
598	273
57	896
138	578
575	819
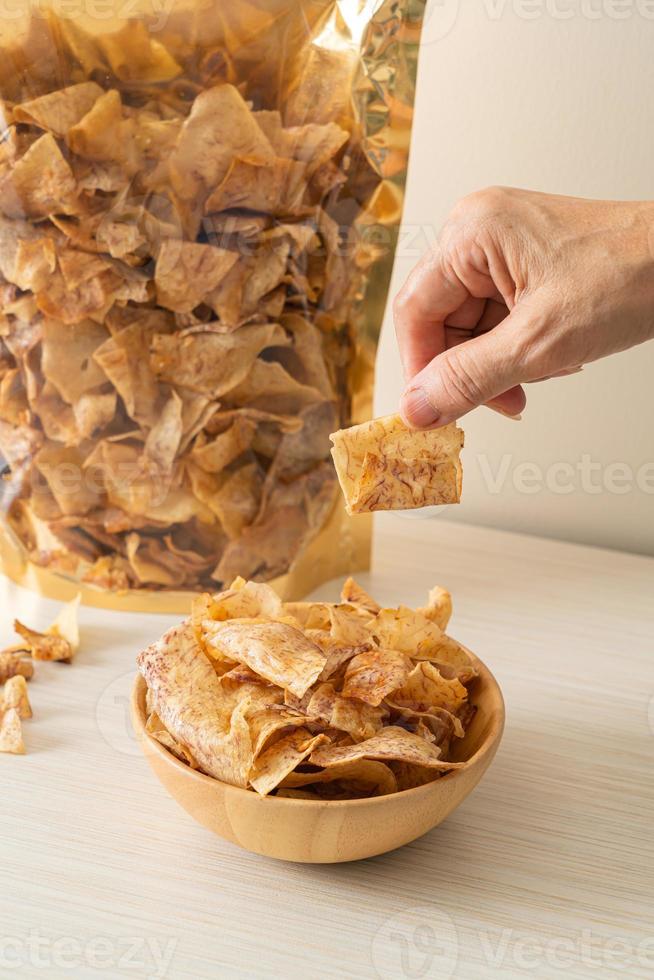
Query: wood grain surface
546	870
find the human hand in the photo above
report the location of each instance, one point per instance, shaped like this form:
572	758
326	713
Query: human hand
521	287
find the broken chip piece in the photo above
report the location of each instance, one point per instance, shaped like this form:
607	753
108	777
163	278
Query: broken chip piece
11	733
384	465
14	695
60	641
337	700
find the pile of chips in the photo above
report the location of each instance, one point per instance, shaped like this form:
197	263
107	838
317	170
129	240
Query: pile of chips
175	296
310	700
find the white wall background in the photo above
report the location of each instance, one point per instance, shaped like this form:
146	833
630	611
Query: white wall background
512	93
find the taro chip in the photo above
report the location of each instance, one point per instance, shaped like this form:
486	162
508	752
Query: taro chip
280	759
425	685
383	465
373	675
276	651
209	362
390	744
227	446
14	695
67	357
439	607
59	111
219	129
343	712
11	734
124	359
15	662
277	187
246	600
186	273
164	438
60	641
353	594
63	470
375	777
188	697
267	386
135	57
103	134
155	727
40	183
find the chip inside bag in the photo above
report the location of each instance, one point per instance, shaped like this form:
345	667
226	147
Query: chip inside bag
198	213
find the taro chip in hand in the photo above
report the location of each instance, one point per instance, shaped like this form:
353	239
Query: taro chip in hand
384	465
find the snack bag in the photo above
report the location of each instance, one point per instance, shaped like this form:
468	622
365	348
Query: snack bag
198	212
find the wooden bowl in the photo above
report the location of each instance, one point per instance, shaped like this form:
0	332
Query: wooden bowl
328	831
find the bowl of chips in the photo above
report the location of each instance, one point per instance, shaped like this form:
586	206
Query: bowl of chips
316	732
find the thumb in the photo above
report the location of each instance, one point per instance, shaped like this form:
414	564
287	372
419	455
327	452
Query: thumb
484	369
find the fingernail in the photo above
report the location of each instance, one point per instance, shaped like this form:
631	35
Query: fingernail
507	415
417	410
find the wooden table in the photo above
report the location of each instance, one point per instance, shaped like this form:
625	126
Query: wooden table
546	870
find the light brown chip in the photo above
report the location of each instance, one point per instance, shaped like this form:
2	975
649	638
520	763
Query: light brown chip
186	273
343	712
14	695
163	441
426	686
60	641
214	456
356	596
412	632
246	600
156	728
210	362
125	359
63	470
390	743
105	135
136	57
188	697
93	411
373	675
375	778
40	183
15	663
439	607
280	759
383	465
67	357
11	733
276	651
219	129
276	187
60	110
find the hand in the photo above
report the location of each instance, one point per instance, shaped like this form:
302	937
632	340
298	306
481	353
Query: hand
521	287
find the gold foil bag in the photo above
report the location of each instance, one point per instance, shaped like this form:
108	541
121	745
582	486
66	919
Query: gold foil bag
199	205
